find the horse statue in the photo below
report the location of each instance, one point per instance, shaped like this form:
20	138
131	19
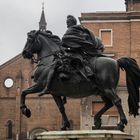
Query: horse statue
51	54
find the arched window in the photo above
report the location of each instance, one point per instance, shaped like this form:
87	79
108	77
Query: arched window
36	131
9	132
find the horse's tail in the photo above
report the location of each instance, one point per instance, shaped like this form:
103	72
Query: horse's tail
133	82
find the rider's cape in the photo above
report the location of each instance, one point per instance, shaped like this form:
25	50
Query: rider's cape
78	36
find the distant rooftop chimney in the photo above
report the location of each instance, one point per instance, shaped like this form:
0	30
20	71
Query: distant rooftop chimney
42	22
132	5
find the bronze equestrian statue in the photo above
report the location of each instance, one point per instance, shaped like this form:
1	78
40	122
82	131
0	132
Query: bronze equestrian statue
68	77
78	40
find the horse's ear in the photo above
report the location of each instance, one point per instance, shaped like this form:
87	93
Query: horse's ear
37	32
28	34
31	33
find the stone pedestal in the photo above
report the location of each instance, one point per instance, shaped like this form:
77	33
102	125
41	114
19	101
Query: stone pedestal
84	135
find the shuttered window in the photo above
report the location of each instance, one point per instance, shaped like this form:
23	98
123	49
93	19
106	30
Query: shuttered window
106	37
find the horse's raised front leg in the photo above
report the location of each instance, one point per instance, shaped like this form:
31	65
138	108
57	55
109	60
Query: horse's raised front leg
98	115
110	93
34	89
60	104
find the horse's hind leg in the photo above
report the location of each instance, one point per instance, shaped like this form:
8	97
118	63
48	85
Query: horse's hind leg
61	107
110	93
97	117
34	89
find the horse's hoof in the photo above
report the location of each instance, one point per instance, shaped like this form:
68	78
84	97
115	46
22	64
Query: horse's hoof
120	127
98	123
26	112
63	129
124	121
65	126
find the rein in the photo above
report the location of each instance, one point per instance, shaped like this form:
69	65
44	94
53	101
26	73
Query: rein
57	54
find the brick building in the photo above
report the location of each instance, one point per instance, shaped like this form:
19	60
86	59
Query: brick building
119	32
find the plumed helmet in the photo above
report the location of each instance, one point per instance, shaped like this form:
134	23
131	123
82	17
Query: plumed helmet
71	20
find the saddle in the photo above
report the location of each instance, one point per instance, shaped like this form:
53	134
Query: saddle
71	64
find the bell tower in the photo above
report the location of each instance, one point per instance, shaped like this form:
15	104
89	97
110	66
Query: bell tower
42	22
132	5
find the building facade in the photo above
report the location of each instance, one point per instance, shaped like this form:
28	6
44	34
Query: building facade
119	32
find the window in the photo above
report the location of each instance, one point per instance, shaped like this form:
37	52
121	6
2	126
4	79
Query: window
8	82
106	37
9	127
109	118
34	132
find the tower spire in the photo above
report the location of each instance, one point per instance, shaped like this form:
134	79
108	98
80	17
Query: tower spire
43	6
42	22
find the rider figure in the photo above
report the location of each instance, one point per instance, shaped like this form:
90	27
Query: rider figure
81	40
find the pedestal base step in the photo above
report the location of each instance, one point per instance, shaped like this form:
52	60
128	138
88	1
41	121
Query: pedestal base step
84	135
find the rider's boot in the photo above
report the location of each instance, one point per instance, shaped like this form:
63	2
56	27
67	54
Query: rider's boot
47	88
89	72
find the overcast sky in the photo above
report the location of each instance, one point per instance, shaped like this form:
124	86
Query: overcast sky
17	17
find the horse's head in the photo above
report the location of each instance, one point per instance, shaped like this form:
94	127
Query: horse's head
32	45
41	43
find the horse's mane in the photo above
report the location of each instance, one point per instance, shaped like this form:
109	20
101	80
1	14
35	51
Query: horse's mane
52	37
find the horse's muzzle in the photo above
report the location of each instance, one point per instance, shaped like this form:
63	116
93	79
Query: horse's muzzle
27	54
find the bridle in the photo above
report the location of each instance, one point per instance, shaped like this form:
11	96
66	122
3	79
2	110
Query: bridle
34	60
57	54
33	38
